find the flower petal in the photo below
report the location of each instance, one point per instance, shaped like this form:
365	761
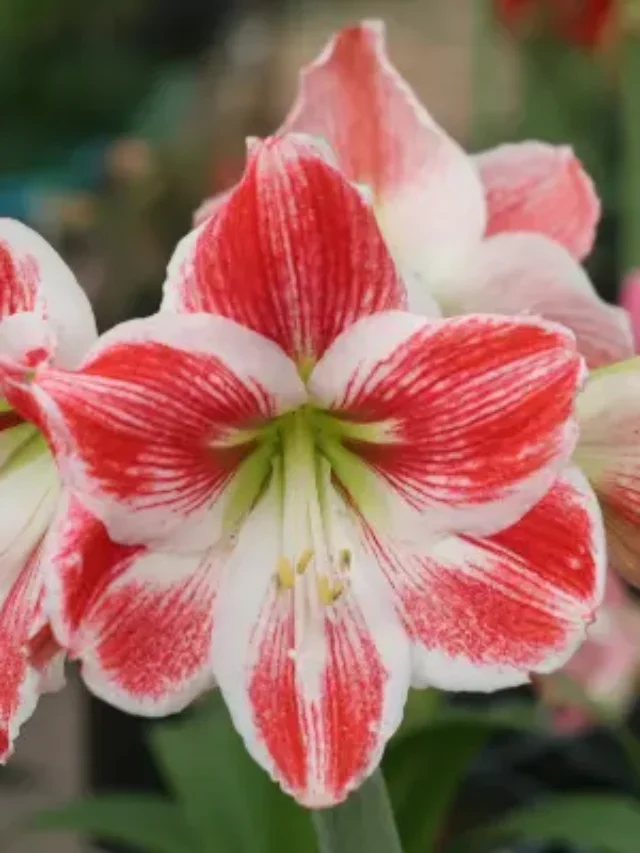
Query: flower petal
138	621
315	694
148	431
609	454
630	301
484	613
534	186
295	253
474	414
28	491
529	274
210	206
34	278
427	195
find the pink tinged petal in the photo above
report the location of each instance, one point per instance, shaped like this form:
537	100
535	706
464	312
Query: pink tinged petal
530	274
609	454
139	622
294	254
209	207
315	693
606	666
145	431
485	613
474	414
427	194
533	186
35	279
630	300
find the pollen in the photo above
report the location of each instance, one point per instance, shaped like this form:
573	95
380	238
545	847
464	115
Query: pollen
285	576
304	560
329	592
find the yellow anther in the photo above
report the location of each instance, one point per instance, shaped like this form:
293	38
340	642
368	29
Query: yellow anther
329	592
325	590
303	561
345	559
337	590
285	574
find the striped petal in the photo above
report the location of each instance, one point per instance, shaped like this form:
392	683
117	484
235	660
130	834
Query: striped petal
609	454
485	613
34	279
530	274
294	254
533	186
28	491
155	423
139	622
315	691
462	423
427	196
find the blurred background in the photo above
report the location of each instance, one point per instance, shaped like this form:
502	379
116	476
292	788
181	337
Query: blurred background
120	116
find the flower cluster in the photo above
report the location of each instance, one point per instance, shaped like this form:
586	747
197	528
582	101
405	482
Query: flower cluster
355	451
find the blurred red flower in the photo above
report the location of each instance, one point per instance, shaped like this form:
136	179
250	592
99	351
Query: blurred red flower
582	22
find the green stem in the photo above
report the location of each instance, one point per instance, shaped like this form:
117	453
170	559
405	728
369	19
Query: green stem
364	822
630	140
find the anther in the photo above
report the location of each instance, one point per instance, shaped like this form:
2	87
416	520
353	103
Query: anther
303	561
284	573
344	560
329	592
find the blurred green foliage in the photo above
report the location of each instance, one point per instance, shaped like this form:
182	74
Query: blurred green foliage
69	71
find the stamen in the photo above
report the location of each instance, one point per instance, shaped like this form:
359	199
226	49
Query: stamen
285	575
345	559
329	592
303	561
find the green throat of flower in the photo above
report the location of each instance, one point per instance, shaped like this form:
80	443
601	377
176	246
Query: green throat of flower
307	459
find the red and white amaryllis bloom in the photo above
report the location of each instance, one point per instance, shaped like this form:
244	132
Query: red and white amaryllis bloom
45	315
325	498
500	232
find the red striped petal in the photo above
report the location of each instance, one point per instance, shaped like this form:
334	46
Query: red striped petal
316	693
144	430
427	193
139	622
34	279
475	412
533	186
22	618
484	613
294	254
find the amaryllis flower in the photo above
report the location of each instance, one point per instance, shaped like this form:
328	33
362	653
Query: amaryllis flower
582	22
322	497
501	232
605	669
40	302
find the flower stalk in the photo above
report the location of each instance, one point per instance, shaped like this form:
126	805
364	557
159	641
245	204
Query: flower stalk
364	822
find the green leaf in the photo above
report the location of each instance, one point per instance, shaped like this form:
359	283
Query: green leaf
424	773
428	759
228	802
150	823
607	824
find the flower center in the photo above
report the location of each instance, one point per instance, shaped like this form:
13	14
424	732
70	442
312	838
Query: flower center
311	544
308	452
